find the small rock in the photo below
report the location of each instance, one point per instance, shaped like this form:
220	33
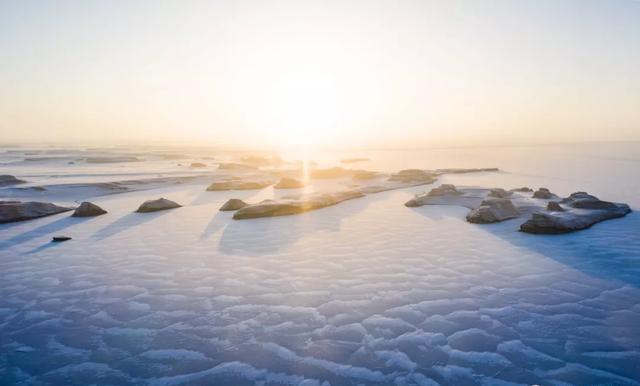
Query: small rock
88	209
289	183
156	205
499	193
198	165
58	239
493	210
233	204
444	190
543	193
553	206
7	180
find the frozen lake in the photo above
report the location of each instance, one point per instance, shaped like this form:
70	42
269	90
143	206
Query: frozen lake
367	292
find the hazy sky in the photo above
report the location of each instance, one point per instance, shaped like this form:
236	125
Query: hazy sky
329	72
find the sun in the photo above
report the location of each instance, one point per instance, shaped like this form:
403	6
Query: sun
305	112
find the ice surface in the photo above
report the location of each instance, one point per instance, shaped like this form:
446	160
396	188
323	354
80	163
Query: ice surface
365	292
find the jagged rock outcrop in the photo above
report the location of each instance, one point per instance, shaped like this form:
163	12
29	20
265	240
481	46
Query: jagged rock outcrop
12	211
88	209
156	205
289	183
8	180
442	191
294	205
238	185
583	210
233	204
493	210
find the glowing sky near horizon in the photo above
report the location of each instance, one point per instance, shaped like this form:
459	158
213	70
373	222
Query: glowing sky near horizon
301	73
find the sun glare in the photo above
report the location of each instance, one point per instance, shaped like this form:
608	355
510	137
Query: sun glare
305	113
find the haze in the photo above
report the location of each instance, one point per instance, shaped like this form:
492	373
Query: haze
330	73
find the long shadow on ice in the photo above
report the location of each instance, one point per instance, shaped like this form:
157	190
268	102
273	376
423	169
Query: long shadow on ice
128	221
265	235
48	228
608	250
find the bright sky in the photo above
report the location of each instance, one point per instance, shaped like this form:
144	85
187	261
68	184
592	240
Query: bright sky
366	73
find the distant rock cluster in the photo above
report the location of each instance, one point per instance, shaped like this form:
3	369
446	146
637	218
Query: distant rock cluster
578	211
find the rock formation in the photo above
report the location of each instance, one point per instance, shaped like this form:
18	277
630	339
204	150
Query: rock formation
156	205
583	211
88	209
493	210
233	204
12	211
289	183
543	193
413	175
294	205
8	180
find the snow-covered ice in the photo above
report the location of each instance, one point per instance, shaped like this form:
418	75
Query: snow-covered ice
364	292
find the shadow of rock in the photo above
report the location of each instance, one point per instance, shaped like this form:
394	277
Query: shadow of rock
270	234
128	221
50	227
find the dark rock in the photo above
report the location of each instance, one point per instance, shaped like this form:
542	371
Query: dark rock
289	183
59	239
585	210
88	209
12	211
553	206
493	210
156	205
499	193
8	180
543	193
233	204
444	190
